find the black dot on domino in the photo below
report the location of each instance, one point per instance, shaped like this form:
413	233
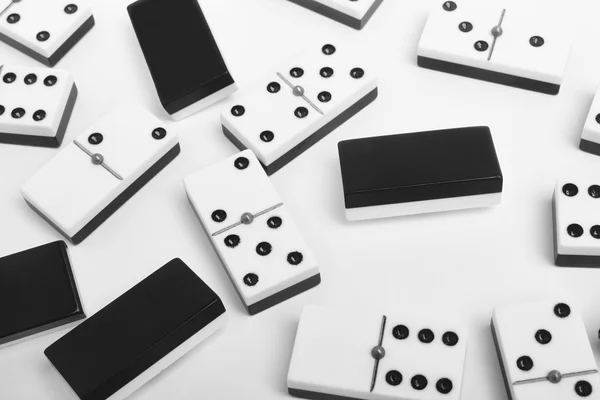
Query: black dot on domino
71	9
267	136
241	163
357	73
542	336
326	72
219	216
296	72
570	190
18	113
232	241
562	310
575	230
594	191
13	18
251	279
525	363
418	382
301	112
393	378
273	87
449	6
450	339
444	386
30	79
595	231
43	36
536	41
583	388
264	249
50	80
295	258
9	77
274	222
324	97
2	110
238	111
328	49
401	332
481	45
95	138
426	336
39	115
465	27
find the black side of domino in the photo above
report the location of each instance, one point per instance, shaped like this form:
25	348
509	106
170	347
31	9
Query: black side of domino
488	76
45	141
337	15
419	166
305	394
312	139
135	331
180	51
118	201
38	292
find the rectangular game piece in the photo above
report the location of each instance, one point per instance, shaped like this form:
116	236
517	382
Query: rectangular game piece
300	103
137	336
497	45
38	293
35	105
576	231
590	138
418	173
99	171
44	30
544	352
184	60
347	355
353	13
250	229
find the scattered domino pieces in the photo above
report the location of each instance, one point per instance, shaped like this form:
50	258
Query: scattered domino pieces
140	334
421	172
251	231
93	176
38	293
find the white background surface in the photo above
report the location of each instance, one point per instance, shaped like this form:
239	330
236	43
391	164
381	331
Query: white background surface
461	263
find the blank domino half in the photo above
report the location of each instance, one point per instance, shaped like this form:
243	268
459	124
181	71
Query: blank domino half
45	30
35	105
420	172
354	13
98	172
495	44
250	229
342	354
137	336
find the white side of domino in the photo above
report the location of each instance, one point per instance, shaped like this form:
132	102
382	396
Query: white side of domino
580	210
568	352
70	190
274	112
39	96
238	191
354	9
423	207
164	362
204	103
512	54
332	355
36	16
591	129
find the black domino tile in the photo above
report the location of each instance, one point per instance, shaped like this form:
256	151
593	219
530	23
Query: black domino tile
37	292
128	336
312	139
337	15
488	76
500	360
180	51
589	147
569	260
44	141
272	300
118	201
419	166
306	394
60	52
